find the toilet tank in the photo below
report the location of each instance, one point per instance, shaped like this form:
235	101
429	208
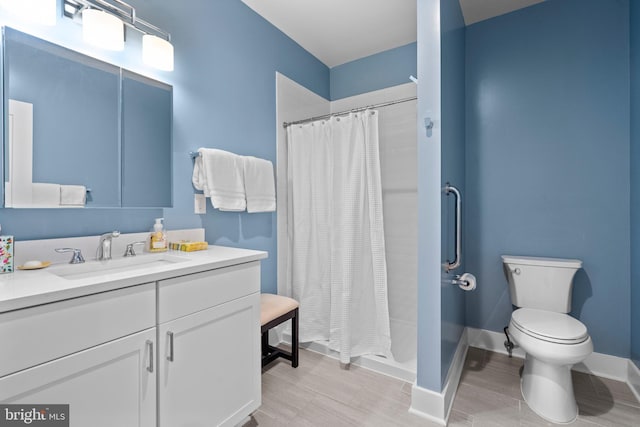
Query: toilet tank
542	283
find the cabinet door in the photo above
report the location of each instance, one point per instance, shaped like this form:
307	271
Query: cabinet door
109	385
209	367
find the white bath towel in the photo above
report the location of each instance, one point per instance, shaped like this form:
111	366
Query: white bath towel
45	195
219	174
259	185
73	195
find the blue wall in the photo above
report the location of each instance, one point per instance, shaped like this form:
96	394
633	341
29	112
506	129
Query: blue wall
385	69
224	97
548	157
453	170
635	182
226	57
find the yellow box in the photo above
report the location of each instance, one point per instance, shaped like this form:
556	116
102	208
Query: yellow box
187	246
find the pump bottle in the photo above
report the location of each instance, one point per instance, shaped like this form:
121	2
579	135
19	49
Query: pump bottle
158	240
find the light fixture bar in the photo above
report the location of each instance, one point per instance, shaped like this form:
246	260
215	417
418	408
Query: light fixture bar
157	50
122	10
116	7
162	33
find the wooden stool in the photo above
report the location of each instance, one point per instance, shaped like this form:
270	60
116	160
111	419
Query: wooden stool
275	309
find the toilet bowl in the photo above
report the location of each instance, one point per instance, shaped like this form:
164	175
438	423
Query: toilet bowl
552	340
553	343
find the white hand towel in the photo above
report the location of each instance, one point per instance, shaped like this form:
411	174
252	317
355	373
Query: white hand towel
259	185
45	195
73	195
219	174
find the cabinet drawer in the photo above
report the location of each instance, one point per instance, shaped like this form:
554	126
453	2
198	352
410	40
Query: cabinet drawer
110	385
187	294
39	334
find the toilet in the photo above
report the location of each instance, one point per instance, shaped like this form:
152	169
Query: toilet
552	340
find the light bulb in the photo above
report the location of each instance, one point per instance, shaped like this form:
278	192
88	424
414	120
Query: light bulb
102	29
42	12
157	52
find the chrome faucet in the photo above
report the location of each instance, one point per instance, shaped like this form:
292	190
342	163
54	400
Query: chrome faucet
103	252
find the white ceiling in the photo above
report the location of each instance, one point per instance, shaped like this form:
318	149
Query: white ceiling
479	10
339	31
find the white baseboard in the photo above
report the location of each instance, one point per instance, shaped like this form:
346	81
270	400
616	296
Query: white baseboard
605	366
602	365
633	379
491	340
455	372
428	404
243	422
436	406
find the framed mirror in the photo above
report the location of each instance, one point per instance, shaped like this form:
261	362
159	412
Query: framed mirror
80	132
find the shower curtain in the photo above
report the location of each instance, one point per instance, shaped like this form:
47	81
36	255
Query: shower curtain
336	258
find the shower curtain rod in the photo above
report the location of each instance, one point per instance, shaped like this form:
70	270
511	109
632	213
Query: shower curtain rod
355	110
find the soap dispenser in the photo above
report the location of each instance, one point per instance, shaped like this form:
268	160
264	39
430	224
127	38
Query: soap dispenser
158	241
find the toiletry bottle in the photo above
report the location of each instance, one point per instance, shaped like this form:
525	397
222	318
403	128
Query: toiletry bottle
158	241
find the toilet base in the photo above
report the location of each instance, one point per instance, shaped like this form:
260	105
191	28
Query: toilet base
548	390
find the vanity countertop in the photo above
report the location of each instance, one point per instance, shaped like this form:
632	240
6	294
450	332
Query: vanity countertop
27	288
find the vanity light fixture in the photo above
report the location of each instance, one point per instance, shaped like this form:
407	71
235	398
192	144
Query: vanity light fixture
104	23
42	12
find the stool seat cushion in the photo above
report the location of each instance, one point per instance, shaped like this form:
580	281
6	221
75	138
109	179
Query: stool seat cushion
273	306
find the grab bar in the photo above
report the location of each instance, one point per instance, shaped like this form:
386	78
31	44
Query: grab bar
456	262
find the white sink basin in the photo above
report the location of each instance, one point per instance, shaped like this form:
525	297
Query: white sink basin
114	266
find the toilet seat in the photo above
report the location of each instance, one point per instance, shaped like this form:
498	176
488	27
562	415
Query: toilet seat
549	326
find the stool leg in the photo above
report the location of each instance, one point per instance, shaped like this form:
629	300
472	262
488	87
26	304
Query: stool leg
265	343
294	340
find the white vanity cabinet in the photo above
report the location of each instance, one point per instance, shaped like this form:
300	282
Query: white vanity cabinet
176	344
209	347
95	353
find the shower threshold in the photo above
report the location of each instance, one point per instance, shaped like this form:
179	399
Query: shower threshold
405	371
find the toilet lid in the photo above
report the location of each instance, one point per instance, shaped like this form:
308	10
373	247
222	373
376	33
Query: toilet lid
549	326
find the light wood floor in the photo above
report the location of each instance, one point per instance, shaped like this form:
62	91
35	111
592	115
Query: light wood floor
320	393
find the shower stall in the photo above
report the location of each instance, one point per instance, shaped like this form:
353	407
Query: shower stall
396	115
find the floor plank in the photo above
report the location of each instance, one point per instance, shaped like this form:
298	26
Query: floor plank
321	392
